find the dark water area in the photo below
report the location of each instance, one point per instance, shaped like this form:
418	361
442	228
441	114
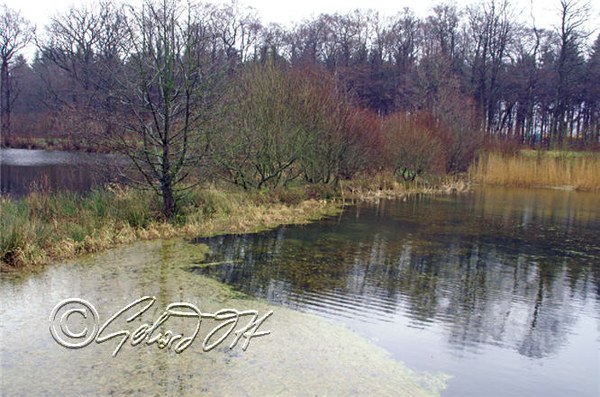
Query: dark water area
499	288
23	170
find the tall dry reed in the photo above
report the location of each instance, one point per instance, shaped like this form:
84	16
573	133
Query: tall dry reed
539	169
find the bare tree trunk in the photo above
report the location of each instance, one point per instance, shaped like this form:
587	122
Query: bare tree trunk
5	98
168	199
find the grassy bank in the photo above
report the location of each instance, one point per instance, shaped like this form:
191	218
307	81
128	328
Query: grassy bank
43	226
556	169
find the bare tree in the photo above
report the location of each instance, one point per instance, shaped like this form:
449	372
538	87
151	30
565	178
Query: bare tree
491	30
592	111
573	15
163	92
79	55
443	28
236	28
15	33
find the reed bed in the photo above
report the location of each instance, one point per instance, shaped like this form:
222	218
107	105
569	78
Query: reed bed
563	170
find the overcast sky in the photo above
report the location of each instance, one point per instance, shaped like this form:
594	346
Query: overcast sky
288	12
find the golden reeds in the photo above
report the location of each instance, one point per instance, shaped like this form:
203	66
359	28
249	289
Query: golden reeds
564	170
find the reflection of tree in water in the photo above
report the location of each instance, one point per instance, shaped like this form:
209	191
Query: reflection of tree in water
551	316
491	285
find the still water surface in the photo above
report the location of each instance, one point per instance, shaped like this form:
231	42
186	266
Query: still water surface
22	170
290	361
498	288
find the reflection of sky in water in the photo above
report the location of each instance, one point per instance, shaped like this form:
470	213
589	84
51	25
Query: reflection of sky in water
23	170
26	157
492	286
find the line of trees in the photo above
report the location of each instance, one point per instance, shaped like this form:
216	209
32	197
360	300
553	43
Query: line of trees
15	34
523	81
177	85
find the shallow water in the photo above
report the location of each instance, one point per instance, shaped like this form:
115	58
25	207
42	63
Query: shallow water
303	354
499	288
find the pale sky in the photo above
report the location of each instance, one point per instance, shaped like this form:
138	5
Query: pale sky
288	12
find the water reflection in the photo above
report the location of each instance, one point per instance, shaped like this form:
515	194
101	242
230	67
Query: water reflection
290	361
23	170
496	278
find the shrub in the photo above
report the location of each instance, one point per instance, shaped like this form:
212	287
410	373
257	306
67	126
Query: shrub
411	147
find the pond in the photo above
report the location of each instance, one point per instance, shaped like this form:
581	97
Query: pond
499	288
491	293
23	170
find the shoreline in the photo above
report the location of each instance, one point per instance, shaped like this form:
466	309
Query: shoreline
251	217
42	228
139	265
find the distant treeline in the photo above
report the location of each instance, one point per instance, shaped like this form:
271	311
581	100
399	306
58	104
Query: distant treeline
535	85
